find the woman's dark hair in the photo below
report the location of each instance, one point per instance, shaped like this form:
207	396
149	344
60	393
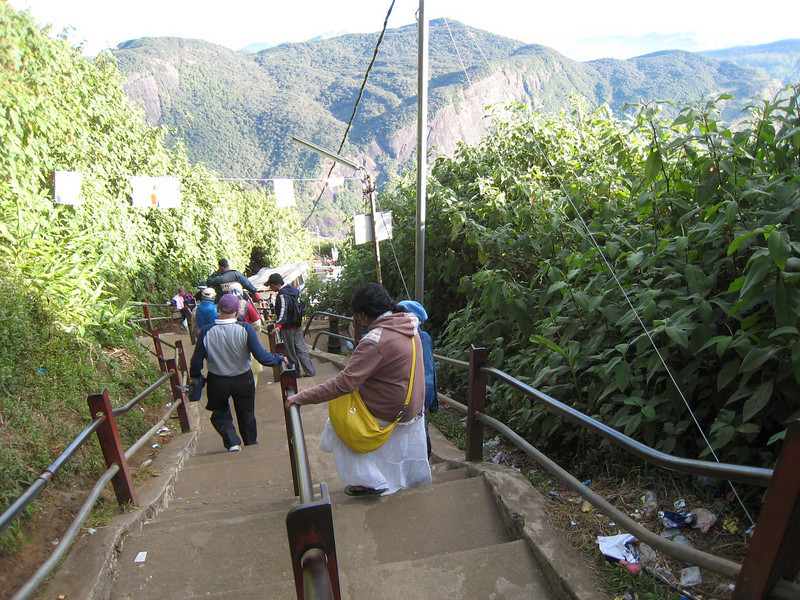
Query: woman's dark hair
373	300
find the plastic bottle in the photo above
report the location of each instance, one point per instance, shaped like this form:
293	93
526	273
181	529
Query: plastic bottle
649	505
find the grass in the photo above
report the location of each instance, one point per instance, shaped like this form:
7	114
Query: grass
46	375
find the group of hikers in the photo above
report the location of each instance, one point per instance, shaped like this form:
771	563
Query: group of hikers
390	376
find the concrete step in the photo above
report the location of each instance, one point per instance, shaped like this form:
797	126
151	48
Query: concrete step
447	517
205	552
501	572
248	535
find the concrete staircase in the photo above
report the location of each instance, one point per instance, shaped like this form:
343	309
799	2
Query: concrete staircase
477	532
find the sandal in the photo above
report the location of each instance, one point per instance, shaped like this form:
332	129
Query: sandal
357	490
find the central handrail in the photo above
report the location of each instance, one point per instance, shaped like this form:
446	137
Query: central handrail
304	482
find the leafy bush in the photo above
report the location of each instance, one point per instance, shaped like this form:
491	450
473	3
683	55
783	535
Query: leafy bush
61	112
535	233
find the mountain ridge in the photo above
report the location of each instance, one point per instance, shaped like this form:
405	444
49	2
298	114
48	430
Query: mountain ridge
235	111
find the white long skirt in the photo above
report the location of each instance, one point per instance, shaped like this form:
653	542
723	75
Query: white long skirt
402	462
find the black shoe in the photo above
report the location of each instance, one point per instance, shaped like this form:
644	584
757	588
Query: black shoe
357	490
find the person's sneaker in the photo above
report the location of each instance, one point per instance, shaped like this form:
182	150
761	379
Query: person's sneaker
234	448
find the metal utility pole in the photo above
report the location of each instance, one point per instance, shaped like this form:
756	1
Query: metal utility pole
422	152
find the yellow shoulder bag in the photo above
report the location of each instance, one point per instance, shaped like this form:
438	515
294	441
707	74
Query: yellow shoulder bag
355	425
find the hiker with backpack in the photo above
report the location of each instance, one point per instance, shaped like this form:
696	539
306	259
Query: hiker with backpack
289	313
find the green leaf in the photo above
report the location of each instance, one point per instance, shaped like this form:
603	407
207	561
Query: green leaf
757	357
757	401
779	250
622	375
727	373
738	241
652	166
538	339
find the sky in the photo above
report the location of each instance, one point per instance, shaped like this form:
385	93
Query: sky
579	29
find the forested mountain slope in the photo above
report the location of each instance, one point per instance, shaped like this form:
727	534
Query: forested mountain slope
235	112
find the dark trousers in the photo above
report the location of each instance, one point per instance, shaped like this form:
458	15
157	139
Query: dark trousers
242	389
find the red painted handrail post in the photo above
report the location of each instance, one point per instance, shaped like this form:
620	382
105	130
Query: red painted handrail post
182	364
773	551
477	402
275	348
111	445
177	394
159	349
146	310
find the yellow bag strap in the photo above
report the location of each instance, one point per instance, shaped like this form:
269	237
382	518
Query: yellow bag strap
411	380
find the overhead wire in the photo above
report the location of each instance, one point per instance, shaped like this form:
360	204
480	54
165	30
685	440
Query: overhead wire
355	107
613	274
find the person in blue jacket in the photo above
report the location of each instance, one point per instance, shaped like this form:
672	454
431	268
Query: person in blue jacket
431	396
226	345
206	312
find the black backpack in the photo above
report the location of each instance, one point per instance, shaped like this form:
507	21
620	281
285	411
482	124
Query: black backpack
295	310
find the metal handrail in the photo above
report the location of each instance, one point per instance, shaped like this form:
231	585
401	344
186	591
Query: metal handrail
730	472
42	481
142	395
783	590
63	547
727	471
304	481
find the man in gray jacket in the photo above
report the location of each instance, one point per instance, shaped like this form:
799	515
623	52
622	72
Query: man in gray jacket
227	345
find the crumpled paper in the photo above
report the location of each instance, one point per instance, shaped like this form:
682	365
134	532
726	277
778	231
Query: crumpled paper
616	546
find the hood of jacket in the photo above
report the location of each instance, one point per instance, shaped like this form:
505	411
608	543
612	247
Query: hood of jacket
404	323
289	290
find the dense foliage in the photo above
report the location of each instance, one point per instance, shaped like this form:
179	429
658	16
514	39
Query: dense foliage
67	273
581	250
61	112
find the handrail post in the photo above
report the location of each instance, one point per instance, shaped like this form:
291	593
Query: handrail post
334	343
177	394
182	366
773	551
356	331
111	445
477	402
146	310
276	347
159	351
310	527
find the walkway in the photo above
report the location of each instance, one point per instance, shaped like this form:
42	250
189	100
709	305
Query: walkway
212	525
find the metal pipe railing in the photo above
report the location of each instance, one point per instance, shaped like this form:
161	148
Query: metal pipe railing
42	481
783	590
27	590
104	424
304	482
730	472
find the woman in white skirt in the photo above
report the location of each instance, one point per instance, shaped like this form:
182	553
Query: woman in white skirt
381	370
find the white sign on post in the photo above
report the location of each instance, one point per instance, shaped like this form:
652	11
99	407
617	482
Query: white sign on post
364	231
284	193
